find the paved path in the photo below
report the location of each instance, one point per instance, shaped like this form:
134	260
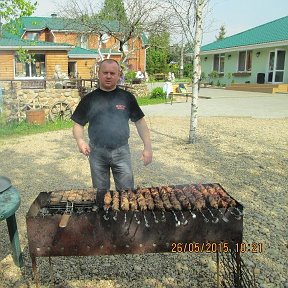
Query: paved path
227	103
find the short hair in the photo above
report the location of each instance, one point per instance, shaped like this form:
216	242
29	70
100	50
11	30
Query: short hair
110	61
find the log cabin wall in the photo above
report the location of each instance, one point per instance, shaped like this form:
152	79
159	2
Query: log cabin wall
6	65
54	58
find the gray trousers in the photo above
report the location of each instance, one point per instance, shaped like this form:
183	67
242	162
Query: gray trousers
103	160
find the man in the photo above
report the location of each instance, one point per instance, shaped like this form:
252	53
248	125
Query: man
108	110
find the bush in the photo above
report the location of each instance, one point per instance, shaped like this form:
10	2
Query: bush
157	93
130	76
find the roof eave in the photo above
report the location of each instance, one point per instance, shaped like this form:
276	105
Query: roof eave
246	47
53	48
74	56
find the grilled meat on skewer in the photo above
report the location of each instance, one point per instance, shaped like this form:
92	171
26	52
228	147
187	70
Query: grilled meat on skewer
132	200
173	200
148	199
165	198
141	200
182	198
124	201
107	198
116	200
157	200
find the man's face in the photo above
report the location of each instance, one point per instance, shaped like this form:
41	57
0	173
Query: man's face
109	75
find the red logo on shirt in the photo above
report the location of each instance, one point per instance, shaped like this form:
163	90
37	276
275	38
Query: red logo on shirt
120	107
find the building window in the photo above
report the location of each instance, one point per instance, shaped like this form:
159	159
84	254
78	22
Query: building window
245	61
83	41
32	36
34	67
218	64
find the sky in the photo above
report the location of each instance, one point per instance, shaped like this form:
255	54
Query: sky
235	15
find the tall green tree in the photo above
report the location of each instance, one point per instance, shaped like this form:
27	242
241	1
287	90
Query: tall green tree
113	10
222	33
157	58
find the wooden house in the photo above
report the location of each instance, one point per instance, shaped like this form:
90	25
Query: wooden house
59	46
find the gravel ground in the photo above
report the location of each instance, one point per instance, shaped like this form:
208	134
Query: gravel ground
248	157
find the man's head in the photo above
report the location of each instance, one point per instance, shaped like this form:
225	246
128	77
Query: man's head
109	74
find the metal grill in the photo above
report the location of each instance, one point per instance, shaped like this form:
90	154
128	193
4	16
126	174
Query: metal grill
61	225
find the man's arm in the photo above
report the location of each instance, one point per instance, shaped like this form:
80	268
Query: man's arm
144	134
78	133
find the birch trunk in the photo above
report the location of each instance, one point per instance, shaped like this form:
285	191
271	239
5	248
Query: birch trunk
199	7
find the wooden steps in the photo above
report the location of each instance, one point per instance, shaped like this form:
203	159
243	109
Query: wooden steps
263	88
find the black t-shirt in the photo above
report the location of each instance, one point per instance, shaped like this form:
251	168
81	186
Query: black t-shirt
108	113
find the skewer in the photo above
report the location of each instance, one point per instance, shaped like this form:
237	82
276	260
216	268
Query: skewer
184	222
176	219
115	216
224	218
237	216
216	219
137	220
105	216
155	218
146	221
192	214
205	218
163	218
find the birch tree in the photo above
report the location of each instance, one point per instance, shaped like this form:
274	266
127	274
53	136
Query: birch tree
189	18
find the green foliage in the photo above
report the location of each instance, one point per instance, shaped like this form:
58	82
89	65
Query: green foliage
130	76
157	93
158	53
222	33
24	56
11	9
203	76
114	10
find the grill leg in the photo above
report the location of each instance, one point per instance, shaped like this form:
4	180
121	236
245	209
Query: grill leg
35	271
238	270
218	269
51	271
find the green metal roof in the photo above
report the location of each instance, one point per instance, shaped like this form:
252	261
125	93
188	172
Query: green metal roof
274	31
58	24
17	42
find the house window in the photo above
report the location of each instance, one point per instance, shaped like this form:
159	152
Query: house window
32	36
34	67
218	64
245	61
83	41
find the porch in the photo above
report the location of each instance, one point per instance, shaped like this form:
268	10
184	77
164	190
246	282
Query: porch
264	88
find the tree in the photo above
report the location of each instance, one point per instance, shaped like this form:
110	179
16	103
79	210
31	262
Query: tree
113	10
222	33
188	16
11	9
158	53
141	16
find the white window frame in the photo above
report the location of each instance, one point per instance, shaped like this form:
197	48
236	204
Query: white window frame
30	69
246	68
221	56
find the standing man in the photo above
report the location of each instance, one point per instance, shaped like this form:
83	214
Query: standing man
108	110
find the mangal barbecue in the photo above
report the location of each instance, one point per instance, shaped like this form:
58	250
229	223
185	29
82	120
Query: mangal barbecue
172	218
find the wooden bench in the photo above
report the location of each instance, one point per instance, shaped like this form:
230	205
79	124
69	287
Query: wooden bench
182	94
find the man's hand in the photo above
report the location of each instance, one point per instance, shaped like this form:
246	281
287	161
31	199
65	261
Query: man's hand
83	147
147	156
